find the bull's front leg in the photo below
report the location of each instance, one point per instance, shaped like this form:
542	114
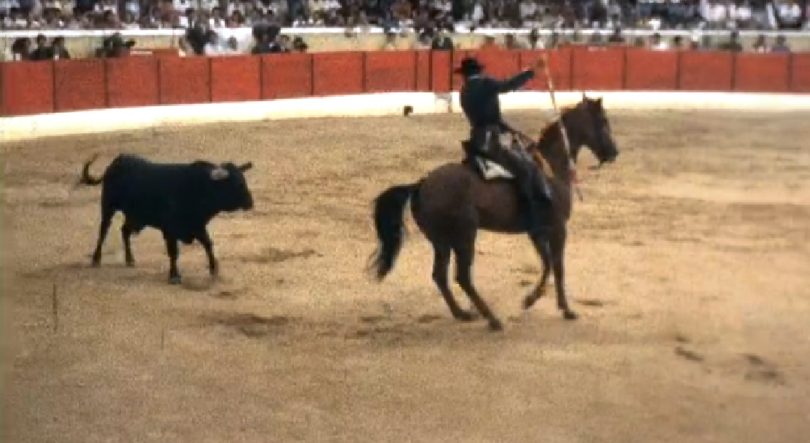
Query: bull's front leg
174	253
208	245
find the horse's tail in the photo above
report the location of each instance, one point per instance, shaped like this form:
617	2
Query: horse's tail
389	215
86	178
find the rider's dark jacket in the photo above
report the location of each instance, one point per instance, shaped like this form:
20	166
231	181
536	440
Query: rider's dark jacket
480	102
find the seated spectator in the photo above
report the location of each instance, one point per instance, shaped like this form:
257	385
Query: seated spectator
442	42
129	21
197	38
616	38
534	39
42	51
733	43
59	50
656	44
20	49
489	43
216	46
760	45
299	45
390	41
217	21
267	41
511	43
114	46
423	41
780	45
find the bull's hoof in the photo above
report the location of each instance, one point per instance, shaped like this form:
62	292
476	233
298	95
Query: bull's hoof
570	315
175	280
495	325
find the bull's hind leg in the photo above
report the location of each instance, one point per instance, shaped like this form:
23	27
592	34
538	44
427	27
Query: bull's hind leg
106	220
174	253
126	234
441	265
465	252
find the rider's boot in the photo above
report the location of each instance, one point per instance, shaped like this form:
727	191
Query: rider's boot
539	204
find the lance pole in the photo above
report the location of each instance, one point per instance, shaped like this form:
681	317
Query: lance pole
563	133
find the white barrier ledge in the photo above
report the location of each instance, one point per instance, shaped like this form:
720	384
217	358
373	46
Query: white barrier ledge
128	119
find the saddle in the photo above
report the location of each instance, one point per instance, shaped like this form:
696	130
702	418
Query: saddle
486	168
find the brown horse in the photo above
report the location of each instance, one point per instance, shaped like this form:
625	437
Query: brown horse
454	201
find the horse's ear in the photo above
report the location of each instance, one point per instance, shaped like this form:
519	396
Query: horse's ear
599	101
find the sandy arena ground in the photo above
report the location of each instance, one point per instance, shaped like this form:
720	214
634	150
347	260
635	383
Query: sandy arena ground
688	263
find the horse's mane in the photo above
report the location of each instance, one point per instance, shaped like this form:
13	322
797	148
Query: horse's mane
553	125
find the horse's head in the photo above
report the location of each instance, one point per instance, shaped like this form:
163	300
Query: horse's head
589	120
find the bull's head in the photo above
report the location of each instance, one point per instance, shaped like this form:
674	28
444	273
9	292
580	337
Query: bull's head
233	189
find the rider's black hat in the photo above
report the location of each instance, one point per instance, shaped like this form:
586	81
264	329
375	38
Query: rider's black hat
469	66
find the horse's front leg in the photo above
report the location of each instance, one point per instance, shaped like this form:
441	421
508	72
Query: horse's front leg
558	239
544	250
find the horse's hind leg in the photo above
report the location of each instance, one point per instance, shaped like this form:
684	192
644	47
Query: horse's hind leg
441	265
544	250
464	260
558	238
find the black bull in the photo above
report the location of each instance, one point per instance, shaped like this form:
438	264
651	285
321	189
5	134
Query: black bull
177	199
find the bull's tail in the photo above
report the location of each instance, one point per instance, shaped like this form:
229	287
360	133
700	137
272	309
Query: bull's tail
389	215
86	178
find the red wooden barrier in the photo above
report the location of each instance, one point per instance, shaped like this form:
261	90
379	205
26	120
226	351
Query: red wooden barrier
559	66
287	77
706	71
599	70
79	85
650	70
423	67
235	79
184	80
762	72
67	85
440	65
390	71
800	73
338	73
132	81
27	88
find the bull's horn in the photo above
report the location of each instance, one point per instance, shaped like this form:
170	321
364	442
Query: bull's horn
219	174
246	166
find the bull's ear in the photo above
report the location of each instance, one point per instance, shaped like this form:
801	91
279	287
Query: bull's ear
219	174
246	166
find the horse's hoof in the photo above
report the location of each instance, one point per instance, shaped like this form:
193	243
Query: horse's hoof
495	325
570	315
175	280
95	263
528	302
466	316
130	263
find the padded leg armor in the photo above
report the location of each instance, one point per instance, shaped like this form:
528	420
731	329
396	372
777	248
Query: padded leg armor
486	142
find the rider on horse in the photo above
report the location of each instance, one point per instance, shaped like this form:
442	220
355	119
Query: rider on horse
481	105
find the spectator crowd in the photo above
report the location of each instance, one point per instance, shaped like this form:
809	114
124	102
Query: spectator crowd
397	14
431	20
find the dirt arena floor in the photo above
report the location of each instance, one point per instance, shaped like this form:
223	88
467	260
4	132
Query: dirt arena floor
688	263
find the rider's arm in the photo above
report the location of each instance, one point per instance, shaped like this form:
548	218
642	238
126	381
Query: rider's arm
514	83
